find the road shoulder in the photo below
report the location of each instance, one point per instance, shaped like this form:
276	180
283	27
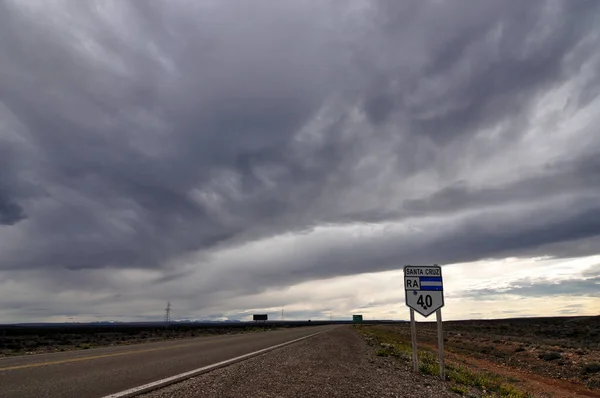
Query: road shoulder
334	364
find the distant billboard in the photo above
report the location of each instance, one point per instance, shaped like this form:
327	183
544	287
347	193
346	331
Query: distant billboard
260	317
357	318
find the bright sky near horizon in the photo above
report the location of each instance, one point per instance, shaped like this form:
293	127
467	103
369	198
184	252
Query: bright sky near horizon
236	157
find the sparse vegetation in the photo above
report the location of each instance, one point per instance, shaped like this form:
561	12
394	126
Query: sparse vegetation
591	368
554	348
381	352
461	378
459	389
34	340
550	356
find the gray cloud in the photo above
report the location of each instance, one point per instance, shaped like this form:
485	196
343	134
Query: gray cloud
557	178
469	97
543	287
138	134
12	191
10	212
570	309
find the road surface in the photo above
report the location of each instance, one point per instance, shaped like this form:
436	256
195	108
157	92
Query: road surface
104	371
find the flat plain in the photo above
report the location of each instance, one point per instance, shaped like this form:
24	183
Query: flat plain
50	339
546	357
523	357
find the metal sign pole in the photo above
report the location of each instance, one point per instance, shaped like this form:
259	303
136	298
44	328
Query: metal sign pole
440	332
413	332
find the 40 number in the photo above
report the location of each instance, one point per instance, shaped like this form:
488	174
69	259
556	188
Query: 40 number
425	302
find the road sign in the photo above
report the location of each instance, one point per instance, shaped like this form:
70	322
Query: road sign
357	318
260	317
424	288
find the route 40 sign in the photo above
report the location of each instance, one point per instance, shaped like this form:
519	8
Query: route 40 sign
424	288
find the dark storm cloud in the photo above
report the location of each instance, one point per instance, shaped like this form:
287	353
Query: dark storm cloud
121	205
482	69
12	191
148	131
10	212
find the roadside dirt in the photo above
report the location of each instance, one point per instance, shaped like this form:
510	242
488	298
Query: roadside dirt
537	385
548	358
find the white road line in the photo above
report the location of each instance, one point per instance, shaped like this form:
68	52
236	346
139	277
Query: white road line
132	392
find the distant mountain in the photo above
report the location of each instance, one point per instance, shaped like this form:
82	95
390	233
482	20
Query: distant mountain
205	321
122	323
104	322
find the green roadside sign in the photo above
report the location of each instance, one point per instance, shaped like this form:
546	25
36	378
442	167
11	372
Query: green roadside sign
357	318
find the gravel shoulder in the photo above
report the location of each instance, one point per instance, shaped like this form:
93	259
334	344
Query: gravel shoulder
337	363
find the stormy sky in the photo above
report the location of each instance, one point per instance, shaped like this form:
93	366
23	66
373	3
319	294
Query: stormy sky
237	156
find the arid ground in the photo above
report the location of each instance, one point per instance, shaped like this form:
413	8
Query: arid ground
526	357
546	357
38	340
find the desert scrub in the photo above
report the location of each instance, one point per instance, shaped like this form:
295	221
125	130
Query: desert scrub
550	355
484	381
382	352
461	378
462	390
428	363
591	368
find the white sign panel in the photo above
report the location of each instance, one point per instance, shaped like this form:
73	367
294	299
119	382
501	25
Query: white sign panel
424	288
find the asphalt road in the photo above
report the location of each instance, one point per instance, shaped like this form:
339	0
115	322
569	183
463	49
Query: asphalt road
103	371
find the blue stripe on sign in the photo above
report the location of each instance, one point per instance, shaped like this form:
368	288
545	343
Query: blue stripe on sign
430	278
432	288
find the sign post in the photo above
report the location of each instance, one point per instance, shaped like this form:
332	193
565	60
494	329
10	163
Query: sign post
438	315
357	318
413	334
424	293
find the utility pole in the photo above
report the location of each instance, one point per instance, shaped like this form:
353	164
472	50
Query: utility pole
282	314
168	313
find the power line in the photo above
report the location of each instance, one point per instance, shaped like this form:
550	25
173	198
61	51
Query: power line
168	313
